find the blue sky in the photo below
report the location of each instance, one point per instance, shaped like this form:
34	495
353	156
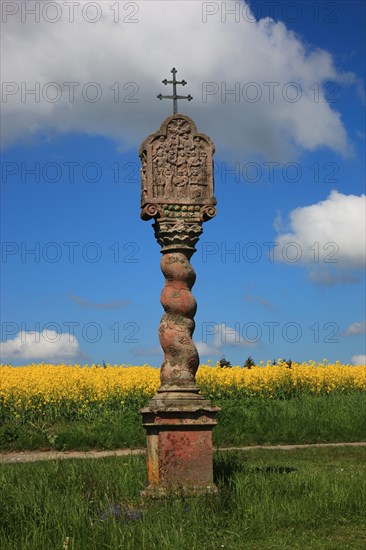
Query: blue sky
279	270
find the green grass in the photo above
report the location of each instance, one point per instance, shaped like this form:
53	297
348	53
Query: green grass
308	499
304	419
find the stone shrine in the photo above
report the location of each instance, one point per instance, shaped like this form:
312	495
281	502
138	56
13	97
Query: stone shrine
178	194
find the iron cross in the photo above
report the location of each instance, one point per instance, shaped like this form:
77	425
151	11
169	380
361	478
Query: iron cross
175	97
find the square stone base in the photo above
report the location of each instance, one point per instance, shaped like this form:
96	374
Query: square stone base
179	450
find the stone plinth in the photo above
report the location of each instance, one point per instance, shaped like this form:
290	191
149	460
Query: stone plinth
179	450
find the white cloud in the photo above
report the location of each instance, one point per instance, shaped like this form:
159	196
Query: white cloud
359	359
261	300
208	350
89	304
148	351
356	328
327	236
242	56
219	335
330	277
47	345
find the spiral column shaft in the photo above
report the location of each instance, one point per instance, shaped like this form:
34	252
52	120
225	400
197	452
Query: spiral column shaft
177	325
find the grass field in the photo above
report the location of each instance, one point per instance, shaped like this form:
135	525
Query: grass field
310	499
251	421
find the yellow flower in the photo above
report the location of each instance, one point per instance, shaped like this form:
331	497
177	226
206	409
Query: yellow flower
34	391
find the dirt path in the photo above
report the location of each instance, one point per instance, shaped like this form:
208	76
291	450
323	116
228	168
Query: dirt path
35	456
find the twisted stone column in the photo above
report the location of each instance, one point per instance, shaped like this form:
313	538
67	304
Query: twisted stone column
176	328
177	324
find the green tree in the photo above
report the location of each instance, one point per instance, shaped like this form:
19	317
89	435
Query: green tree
249	363
224	363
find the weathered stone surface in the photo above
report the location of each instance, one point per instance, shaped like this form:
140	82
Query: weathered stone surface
177	192
179	451
177	172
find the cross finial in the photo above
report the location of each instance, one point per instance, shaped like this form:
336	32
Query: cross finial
175	97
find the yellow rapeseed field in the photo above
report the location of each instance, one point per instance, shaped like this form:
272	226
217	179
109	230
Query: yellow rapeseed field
74	391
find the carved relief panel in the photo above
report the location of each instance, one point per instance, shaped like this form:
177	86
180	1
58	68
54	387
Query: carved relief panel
177	171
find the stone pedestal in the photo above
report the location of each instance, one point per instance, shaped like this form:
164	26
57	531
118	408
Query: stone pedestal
177	192
179	446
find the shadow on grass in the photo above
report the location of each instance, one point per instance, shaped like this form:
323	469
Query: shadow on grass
227	465
274	470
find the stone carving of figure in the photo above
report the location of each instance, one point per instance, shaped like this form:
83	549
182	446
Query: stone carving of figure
198	189
144	174
194	159
158	166
182	162
181	178
168	180
203	158
172	156
183	140
178	163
